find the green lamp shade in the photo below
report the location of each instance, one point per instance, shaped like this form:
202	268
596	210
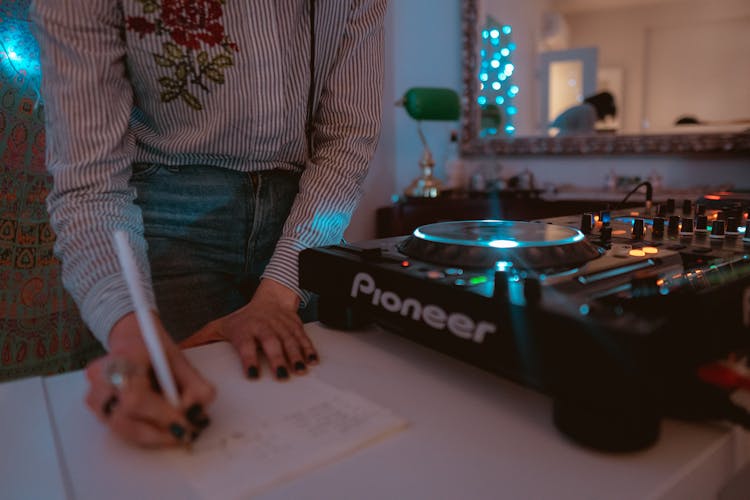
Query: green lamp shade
430	103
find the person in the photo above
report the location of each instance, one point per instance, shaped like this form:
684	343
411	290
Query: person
582	118
223	137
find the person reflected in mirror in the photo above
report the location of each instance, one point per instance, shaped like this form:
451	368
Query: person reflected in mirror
582	118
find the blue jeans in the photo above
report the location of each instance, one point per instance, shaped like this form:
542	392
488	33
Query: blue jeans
210	232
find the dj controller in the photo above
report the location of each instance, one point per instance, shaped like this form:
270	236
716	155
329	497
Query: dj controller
612	314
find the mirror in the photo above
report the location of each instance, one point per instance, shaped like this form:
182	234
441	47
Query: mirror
659	64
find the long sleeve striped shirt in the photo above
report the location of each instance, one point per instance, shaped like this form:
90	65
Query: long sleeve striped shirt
212	82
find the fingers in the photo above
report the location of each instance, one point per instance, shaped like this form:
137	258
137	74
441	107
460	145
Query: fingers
136	412
248	351
194	388
310	354
282	340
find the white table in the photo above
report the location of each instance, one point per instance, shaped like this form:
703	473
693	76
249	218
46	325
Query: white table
472	435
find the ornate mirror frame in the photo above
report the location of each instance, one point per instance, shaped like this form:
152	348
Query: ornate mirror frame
651	144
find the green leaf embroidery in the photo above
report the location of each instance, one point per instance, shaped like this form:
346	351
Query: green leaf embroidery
222	61
173	51
170	83
162	61
214	74
182	72
169	95
191	100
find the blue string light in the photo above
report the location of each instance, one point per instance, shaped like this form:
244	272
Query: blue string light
497	92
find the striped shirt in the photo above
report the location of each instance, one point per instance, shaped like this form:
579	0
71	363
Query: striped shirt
201	82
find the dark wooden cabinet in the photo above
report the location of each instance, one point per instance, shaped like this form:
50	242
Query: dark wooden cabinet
404	216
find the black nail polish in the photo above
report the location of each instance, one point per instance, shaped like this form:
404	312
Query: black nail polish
299	366
194	413
177	431
203	422
252	372
282	373
312	358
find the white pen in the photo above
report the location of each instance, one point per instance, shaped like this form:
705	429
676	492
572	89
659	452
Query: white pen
145	319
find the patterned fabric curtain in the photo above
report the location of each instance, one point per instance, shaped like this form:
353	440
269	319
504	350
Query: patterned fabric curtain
41	332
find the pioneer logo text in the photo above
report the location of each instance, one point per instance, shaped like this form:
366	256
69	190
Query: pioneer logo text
432	315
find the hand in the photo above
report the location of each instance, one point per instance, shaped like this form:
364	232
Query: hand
269	323
136	411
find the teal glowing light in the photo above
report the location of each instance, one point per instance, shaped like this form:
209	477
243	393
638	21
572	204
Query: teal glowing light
584	309
503	265
503	244
511	110
513	89
19	56
495	75
499	234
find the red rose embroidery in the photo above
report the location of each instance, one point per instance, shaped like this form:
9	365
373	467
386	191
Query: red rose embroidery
140	25
197	51
192	21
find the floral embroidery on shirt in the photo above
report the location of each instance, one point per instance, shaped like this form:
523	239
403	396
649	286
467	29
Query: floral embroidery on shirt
197	50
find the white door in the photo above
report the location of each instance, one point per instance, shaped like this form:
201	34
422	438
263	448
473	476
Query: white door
566	77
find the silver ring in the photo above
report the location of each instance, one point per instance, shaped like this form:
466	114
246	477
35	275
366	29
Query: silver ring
118	373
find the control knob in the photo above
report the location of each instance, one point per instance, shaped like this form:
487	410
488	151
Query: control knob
687	207
717	229
732	225
658	228
701	223
638	227
587	223
687	226
674	224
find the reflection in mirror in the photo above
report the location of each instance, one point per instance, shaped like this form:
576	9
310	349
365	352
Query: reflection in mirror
677	71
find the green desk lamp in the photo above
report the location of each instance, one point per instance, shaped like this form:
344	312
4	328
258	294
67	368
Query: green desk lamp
435	104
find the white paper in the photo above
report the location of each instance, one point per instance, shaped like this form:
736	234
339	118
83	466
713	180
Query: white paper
265	432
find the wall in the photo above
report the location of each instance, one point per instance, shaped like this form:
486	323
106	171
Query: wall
422	49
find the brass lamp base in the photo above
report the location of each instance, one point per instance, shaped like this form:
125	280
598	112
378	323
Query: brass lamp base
424	186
